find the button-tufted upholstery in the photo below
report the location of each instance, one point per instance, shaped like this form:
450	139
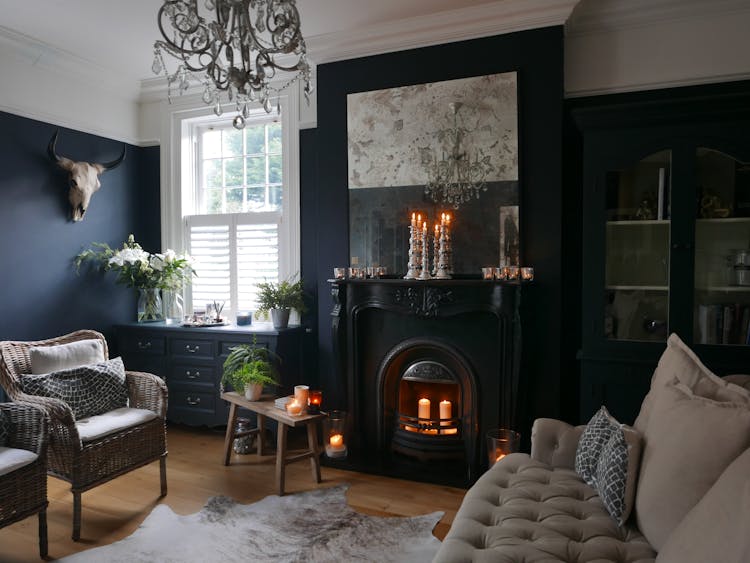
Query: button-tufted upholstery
526	511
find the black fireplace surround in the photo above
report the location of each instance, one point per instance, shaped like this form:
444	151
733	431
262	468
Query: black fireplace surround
454	341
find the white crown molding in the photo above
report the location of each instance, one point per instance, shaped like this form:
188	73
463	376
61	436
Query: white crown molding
443	27
658	85
50	58
603	16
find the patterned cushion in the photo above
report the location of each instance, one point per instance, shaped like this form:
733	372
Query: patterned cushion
88	390
591	444
3	429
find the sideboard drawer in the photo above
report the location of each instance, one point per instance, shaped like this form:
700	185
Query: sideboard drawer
189	374
193	400
226	347
192	347
145	344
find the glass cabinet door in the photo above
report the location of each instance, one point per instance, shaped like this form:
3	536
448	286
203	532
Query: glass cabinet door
637	250
722	249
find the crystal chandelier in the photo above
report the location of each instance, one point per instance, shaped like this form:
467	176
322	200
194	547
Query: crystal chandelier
238	52
456	178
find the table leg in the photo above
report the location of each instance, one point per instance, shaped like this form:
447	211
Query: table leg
312	442
229	438
261	433
281	457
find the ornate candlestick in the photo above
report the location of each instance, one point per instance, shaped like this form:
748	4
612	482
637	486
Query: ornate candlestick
425	273
435	250
413	264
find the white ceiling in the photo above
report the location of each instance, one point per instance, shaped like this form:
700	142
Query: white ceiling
119	34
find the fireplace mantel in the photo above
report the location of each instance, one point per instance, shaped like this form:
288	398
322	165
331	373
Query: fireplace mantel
476	320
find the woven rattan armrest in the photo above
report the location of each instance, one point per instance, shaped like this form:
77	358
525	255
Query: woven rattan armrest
147	391
29	427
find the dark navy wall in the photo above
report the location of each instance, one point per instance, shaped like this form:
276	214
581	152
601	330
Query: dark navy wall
537	56
40	294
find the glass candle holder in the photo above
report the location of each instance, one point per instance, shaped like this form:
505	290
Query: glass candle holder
314	402
334	434
513	272
527	273
500	443
339	273
488	273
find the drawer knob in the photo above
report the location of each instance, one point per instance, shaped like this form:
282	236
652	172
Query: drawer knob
192	350
193	402
192	375
144	345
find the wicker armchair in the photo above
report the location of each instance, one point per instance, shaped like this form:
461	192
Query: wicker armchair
86	464
23	492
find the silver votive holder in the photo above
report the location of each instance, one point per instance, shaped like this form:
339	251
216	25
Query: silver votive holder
339	273
513	272
527	273
488	273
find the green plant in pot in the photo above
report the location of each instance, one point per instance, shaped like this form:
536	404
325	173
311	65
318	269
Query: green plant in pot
280	298
248	368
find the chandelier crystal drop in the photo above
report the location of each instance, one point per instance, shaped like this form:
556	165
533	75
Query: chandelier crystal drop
456	178
236	54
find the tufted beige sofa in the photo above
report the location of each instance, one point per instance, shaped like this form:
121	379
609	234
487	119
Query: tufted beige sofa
536	509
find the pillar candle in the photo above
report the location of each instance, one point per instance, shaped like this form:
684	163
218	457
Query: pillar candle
424	408
445	412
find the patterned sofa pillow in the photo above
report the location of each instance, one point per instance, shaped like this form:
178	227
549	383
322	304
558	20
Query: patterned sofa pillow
591	444
88	390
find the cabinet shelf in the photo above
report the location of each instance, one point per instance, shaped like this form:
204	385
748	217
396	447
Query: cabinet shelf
637	287
641	222
726	288
716	221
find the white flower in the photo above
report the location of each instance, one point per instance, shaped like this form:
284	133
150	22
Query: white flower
157	262
169	256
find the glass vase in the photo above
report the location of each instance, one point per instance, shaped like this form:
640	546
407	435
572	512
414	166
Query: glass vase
172	305
149	305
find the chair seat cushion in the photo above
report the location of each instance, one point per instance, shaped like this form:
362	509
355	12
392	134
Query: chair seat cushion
525	511
14	458
97	426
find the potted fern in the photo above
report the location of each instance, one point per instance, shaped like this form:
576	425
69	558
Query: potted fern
248	368
280	298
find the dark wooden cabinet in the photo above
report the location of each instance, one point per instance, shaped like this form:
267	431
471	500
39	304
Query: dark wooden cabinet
666	203
190	360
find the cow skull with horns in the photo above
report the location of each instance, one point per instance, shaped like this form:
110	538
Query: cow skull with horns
83	177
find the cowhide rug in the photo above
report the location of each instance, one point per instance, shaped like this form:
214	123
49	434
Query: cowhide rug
316	526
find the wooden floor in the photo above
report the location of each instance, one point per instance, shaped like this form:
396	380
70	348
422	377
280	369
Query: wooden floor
195	473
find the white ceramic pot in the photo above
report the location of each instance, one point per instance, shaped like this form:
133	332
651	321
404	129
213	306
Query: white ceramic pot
253	391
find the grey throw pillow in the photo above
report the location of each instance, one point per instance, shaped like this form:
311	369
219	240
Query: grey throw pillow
591	444
88	390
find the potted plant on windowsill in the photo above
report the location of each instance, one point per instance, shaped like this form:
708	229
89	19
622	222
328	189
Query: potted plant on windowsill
248	368
280	298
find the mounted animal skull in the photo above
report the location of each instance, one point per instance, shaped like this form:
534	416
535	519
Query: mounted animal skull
83	177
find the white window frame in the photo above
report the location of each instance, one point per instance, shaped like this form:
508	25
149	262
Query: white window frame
178	169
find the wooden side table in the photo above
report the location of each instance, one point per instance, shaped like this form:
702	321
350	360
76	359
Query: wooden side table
266	408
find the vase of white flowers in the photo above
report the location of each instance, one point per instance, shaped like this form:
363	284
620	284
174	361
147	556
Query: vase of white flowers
149	273
150	307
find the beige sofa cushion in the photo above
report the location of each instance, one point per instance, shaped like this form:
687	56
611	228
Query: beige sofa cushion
525	511
679	361
718	528
688	443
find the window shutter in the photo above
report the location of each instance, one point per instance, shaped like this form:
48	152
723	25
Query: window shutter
257	260
210	246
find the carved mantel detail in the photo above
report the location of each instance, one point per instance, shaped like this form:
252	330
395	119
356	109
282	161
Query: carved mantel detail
423	301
